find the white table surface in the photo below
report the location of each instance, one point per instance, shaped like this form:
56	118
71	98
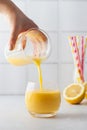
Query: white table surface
14	116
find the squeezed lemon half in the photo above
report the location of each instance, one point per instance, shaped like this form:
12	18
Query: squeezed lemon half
74	93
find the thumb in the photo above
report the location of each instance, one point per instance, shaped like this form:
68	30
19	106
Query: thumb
12	41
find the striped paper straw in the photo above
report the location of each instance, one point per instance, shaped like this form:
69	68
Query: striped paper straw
82	54
76	58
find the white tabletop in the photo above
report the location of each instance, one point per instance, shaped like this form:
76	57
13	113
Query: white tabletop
14	116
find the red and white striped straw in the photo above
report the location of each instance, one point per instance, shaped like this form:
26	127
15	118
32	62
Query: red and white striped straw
77	57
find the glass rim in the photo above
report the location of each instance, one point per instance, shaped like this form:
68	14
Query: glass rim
32	85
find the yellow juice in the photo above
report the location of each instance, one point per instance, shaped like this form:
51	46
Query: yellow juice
38	64
42	102
18	60
39	101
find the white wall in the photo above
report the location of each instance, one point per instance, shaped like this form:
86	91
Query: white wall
72	21
59	18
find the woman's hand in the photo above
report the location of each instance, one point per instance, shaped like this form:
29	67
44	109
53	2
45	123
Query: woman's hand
18	20
19	24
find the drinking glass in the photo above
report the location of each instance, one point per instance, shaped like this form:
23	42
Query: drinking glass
42	102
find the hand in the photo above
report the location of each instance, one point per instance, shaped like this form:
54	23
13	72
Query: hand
19	23
37	36
39	41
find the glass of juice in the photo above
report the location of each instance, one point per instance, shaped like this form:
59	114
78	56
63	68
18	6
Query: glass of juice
42	102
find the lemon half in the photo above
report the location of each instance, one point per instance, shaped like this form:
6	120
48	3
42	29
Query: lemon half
74	93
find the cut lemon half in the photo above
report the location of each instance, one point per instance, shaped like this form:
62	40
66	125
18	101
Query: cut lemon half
74	93
85	86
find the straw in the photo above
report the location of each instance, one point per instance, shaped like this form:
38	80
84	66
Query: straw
78	39
76	57
85	46
82	54
72	50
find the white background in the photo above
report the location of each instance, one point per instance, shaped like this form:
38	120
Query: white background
59	18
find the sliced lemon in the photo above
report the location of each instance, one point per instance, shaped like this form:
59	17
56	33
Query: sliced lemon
85	86
74	93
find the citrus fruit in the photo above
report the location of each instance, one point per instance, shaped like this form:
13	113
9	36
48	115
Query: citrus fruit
74	93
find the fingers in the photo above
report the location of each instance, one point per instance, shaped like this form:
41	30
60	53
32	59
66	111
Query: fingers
37	36
40	41
13	39
23	42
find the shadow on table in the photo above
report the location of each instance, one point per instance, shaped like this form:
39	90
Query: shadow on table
71	116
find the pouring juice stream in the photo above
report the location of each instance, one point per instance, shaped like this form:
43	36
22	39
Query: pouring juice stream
37	62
